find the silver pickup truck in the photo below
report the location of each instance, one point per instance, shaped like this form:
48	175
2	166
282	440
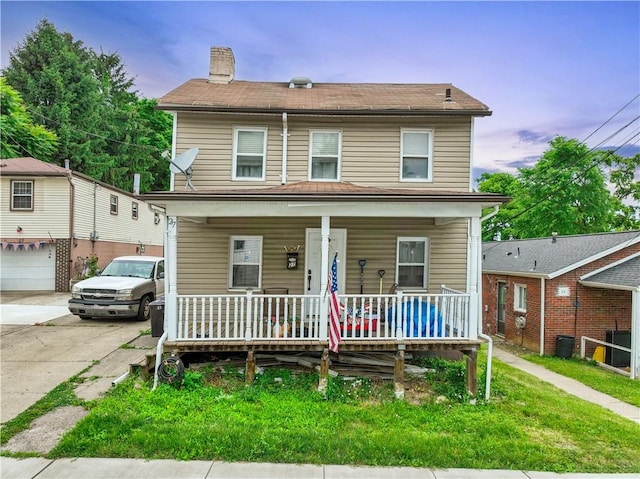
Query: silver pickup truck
123	289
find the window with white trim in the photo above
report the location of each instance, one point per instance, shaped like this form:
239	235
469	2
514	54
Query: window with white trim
134	210
416	153
520	298
22	195
245	262
412	262
249	153
113	205
324	154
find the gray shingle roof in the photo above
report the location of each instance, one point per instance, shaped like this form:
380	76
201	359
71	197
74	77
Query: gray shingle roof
544	257
627	273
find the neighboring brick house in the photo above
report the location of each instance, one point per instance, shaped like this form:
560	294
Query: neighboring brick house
53	218
535	290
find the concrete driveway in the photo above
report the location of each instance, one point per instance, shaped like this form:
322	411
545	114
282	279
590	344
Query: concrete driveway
44	348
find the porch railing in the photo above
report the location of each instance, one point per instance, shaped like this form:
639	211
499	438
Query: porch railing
290	317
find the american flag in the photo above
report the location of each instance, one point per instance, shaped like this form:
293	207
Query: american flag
334	307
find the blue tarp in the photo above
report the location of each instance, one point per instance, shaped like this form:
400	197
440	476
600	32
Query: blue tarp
416	316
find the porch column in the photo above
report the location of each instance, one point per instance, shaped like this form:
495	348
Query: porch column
635	334
324	276
171	278
474	275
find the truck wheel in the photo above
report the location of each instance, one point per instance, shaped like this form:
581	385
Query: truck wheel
144	312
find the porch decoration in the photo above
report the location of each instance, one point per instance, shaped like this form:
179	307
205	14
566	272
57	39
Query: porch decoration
292	256
23	246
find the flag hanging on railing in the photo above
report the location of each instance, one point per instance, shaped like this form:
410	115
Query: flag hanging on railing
334	307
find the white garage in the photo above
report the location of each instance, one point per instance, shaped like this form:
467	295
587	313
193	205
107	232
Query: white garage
28	269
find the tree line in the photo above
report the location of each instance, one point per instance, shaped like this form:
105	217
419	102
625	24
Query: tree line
64	101
61	100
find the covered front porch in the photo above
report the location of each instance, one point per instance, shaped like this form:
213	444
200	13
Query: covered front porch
206	311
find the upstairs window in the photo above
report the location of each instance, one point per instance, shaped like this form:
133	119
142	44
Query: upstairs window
249	153
22	195
325	155
416	154
411	267
113	208
134	210
245	262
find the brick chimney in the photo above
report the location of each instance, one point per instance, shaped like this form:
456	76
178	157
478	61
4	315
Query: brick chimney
222	66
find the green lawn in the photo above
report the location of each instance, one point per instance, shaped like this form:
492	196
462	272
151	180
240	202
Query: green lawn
592	375
527	425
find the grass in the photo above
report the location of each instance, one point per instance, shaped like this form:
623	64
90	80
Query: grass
528	424
592	375
61	395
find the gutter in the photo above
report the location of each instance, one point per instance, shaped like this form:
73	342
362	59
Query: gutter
486	337
311	111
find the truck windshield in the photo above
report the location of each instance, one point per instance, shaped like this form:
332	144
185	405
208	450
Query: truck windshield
131	269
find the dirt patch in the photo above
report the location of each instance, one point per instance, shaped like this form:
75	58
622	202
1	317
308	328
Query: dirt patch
46	431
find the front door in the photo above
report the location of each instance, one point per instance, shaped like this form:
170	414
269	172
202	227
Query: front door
313	256
502	304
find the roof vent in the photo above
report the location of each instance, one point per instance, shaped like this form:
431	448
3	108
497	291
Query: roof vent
300	82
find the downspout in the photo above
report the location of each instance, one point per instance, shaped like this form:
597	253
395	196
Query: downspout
72	200
172	176
285	137
94	235
486	337
543	294
635	334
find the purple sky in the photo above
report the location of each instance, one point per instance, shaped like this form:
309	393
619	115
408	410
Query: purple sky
544	68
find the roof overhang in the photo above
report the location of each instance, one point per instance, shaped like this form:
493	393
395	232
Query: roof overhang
174	107
333	199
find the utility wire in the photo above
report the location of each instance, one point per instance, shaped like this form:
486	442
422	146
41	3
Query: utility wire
597	161
95	135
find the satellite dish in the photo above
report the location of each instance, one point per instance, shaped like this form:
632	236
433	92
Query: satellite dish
183	164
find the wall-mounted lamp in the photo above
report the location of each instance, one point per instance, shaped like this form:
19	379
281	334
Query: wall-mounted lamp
19	229
292	256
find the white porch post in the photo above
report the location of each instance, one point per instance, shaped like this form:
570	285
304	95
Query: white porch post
324	276
635	334
171	278
475	276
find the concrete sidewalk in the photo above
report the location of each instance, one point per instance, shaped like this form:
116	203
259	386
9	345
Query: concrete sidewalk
570	386
88	468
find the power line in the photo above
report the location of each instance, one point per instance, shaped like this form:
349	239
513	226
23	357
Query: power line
576	161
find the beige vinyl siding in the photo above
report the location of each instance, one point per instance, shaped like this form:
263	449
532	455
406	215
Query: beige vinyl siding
370	149
120	228
50	215
203	251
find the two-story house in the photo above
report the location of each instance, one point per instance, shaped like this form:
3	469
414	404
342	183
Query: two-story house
54	218
290	174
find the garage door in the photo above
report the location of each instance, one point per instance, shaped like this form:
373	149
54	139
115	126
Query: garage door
28	270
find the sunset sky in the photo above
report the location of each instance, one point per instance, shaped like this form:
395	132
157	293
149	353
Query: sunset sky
544	68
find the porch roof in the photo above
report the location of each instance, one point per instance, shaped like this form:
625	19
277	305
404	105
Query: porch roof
327	191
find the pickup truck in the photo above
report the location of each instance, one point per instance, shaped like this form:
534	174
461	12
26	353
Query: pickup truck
124	289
